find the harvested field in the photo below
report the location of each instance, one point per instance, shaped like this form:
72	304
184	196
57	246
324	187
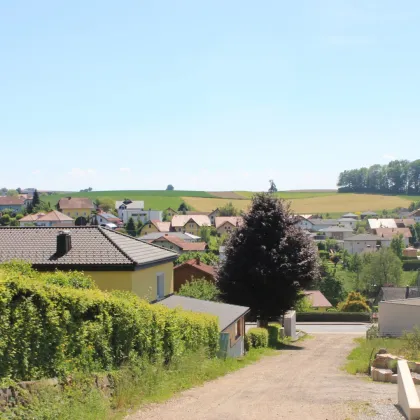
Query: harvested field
227	194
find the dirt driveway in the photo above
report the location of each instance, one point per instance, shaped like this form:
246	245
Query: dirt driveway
303	382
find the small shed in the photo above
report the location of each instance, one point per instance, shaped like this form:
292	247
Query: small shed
318	301
410	252
398	316
231	319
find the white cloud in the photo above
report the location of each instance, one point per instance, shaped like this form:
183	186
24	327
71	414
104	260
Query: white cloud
81	173
389	157
36	172
125	169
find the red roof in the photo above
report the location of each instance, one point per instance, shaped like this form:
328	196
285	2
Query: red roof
184	245
55	216
11	201
69	203
317	299
208	269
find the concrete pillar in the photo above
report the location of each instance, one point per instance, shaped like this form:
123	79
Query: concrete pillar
290	324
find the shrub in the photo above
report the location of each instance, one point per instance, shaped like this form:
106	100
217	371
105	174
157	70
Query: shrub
200	289
256	338
411	265
413	342
355	302
273	334
48	330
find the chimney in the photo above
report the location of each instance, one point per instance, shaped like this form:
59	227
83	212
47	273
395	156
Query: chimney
407	292
197	260
63	243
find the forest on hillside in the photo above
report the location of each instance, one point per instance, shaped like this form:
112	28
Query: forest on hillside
396	177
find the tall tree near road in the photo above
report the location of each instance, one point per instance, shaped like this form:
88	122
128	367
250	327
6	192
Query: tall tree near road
35	199
269	260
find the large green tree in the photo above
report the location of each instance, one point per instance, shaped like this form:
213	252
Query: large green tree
398	245
200	289
269	260
228	210
130	227
35	199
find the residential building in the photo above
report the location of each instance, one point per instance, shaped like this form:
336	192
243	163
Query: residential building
368	214
178	245
364	243
30	219
304	223
348	222
415	215
213	215
193	268
318	224
388	234
401	223
108	220
318	301
228	224
190	223
186	237
12	203
394	293
170	212
135	210
410	252
350	215
398	316
113	260
337	232
231	320
153	226
53	218
381	223
78	208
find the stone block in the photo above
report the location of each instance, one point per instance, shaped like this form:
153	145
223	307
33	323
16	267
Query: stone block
394	378
381	375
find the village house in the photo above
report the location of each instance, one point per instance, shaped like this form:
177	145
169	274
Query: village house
108	220
231	321
213	215
178	245
337	232
114	261
381	223
170	212
350	216
53	218
318	301
318	224
405	223
78	208
415	215
12	203
364	243
135	210
193	268
304	222
388	234
348	222
154	226
190	223
228	224
186	237
368	214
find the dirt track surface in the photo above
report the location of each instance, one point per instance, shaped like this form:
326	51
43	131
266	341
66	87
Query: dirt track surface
302	382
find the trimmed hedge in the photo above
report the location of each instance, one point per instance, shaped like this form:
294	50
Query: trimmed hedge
411	265
48	330
256	338
333	317
273	334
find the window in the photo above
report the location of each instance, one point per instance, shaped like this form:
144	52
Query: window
160	279
238	328
77	213
84	213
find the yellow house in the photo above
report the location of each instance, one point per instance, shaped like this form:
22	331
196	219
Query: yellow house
77	208
190	223
170	212
114	261
155	226
227	224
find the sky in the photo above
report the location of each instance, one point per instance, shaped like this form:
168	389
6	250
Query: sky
205	95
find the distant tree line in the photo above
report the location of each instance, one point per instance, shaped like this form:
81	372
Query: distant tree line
397	177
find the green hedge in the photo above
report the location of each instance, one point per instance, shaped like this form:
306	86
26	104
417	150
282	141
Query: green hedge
411	265
333	317
48	330
273	334
256	338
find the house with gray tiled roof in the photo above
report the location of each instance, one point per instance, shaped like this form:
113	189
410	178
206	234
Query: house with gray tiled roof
113	260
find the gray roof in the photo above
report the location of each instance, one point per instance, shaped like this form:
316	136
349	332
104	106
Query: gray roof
328	222
226	313
347	219
349	215
410	301
154	235
369	213
91	246
394	293
363	237
336	229
133	205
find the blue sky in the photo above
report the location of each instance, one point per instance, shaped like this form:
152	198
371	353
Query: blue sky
220	95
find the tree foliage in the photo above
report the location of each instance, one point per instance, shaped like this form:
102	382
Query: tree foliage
208	258
130	227
170	187
303	304
200	289
383	268
269	260
12	193
36	201
228	210
183	207
106	204
397	177
398	245
354	302
273	188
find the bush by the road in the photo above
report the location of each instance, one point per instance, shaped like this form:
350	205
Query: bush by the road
256	338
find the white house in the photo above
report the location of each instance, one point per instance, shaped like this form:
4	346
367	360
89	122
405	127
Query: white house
348	222
382	223
304	223
397	316
337	232
135	209
366	242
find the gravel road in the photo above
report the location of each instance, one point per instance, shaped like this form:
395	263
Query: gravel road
304	381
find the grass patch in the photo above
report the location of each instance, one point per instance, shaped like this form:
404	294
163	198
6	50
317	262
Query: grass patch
359	358
137	384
